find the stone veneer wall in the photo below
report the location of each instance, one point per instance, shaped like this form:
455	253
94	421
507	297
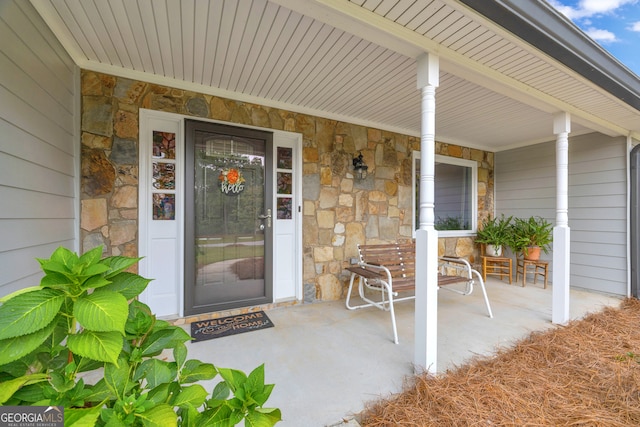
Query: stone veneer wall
338	211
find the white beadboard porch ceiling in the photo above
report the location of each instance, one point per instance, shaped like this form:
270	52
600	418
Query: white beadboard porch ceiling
346	60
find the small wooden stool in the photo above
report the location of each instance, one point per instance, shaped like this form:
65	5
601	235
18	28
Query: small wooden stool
496	266
535	267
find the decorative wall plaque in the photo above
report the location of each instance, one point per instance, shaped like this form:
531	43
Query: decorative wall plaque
164	145
285	158
164	177
285	208
164	206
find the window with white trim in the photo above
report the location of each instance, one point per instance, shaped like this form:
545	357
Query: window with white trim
456	195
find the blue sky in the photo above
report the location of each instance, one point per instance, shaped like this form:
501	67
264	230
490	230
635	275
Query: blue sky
614	24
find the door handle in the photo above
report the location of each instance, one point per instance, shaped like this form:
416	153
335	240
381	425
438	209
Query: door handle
267	217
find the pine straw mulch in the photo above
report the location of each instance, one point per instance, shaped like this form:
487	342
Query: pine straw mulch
584	373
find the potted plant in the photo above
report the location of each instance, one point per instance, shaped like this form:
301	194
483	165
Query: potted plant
531	236
495	234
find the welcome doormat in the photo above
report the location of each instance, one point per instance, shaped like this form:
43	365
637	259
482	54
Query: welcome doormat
230	325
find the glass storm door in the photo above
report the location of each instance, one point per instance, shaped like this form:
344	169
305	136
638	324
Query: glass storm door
228	223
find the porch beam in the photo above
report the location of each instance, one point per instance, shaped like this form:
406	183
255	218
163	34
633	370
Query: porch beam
426	301
561	234
368	25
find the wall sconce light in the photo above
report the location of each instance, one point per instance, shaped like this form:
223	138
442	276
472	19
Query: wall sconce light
360	167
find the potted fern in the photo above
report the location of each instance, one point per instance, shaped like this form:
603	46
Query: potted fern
531	236
495	233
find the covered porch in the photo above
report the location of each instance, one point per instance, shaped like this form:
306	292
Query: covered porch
348	71
327	362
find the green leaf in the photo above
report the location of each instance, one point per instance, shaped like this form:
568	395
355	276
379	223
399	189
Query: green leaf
195	370
86	365
56	268
29	312
56	281
101	346
163	324
94	270
116	378
10	387
118	264
256	387
81	417
159	394
163	339
262	417
31	393
180	355
62	261
12	349
76	395
26	364
128	284
159	416
91	257
193	395
157	372
221	392
233	377
140	320
235	417
256	377
18	292
65	257
100	391
94	282
110	418
261	396
216	417
59	333
189	417
102	311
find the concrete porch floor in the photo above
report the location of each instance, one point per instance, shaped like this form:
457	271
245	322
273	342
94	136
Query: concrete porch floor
327	362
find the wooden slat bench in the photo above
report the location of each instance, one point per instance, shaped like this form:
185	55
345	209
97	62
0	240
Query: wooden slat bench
389	269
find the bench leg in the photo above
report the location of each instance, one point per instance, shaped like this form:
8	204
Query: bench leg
383	305
347	302
484	292
393	319
368	302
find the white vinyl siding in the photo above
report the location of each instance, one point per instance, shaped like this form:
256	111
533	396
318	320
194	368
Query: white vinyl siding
38	146
525	186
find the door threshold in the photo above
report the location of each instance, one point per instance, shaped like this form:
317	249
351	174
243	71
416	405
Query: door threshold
217	314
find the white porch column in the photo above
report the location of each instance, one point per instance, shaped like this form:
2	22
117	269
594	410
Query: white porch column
426	302
561	233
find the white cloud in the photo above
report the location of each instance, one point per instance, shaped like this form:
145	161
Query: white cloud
603	36
592	7
588	8
567	11
635	26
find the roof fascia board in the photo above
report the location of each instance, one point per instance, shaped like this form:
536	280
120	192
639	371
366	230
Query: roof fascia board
370	26
541	25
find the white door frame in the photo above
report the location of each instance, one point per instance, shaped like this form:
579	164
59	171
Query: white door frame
161	243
